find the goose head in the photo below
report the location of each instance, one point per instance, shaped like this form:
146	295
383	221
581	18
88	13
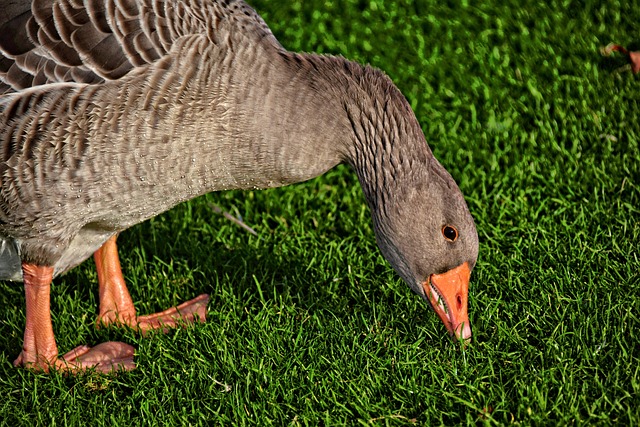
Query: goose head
429	237
422	224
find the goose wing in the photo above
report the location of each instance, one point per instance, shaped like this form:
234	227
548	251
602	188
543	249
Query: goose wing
90	41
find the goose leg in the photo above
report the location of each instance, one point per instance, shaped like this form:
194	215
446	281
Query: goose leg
40	351
116	306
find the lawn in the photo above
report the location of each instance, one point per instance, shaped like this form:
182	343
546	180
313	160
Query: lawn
309	325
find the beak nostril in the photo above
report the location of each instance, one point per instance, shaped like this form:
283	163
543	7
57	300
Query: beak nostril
459	301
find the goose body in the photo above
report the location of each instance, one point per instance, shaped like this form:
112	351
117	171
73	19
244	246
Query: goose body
114	111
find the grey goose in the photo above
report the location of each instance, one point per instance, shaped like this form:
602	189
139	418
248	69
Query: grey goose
113	111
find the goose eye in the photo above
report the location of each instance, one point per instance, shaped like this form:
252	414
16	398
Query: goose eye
450	233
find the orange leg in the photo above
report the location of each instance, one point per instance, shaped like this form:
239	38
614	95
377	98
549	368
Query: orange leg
116	306
39	350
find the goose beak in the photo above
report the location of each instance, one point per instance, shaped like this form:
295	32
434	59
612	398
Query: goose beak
448	294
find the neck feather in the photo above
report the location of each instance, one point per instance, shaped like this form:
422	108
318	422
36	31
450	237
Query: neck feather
387	149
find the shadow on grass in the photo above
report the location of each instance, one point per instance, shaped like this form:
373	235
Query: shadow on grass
174	267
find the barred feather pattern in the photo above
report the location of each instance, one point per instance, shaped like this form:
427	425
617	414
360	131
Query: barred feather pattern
113	111
52	41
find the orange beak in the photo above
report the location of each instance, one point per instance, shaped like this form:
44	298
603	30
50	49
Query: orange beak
449	293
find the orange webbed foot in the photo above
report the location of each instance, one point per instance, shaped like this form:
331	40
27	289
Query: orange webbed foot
116	305
186	313
108	357
192	311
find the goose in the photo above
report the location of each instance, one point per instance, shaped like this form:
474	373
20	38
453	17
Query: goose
113	111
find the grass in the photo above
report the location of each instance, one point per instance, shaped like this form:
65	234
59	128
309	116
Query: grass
309	325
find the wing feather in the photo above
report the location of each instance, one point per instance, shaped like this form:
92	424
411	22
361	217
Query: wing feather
90	41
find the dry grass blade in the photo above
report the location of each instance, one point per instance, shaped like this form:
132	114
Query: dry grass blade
227	215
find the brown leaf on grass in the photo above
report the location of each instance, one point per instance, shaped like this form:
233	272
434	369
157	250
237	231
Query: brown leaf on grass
486	412
634	57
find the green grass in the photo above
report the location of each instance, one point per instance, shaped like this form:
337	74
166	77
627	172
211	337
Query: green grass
309	325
